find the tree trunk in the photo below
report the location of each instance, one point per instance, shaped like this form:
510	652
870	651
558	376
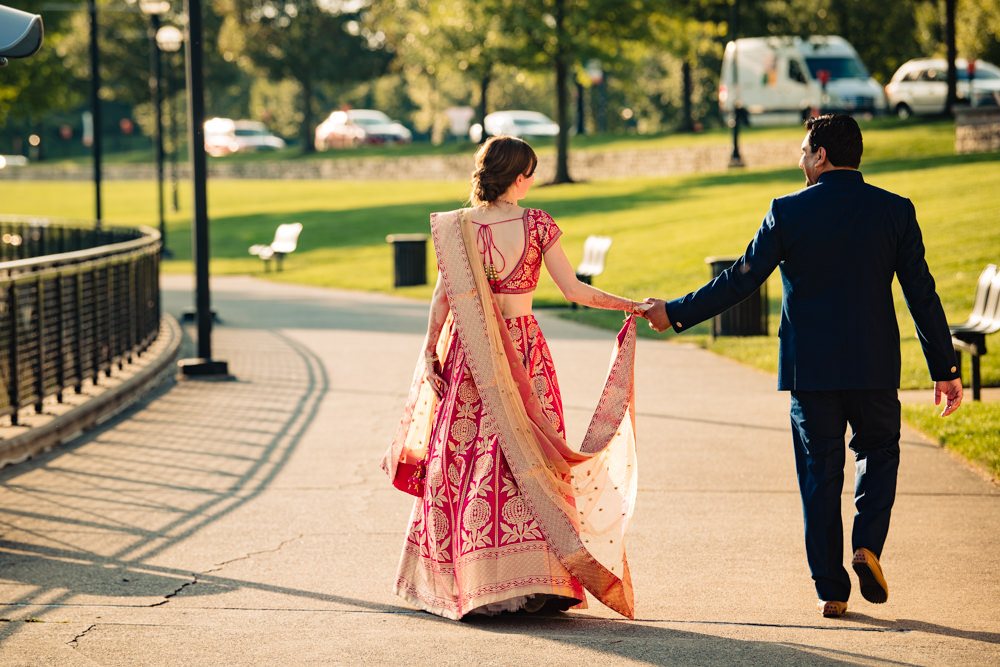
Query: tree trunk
484	86
949	36
307	129
581	125
562	97
687	122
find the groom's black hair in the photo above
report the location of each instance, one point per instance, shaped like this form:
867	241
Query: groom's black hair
840	135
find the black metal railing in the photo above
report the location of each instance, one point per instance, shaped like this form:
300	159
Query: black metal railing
74	302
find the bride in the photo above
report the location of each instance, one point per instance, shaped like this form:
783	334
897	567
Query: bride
508	515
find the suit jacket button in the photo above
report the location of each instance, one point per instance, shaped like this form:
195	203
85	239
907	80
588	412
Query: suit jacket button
680	326
953	369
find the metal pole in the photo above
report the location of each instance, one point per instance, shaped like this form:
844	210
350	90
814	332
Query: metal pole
95	109
204	365
174	145
174	149
735	160
156	84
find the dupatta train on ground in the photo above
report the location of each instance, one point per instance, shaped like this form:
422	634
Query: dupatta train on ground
582	498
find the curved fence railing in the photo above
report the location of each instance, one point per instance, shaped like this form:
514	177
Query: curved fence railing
75	302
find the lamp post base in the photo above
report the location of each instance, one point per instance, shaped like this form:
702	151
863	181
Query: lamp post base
203	369
192	316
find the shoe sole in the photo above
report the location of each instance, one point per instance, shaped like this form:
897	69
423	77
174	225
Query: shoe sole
871	589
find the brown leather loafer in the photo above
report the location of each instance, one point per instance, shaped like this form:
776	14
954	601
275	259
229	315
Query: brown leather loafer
832	608
873	585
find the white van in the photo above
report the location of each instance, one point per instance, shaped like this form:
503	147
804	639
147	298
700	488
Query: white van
780	79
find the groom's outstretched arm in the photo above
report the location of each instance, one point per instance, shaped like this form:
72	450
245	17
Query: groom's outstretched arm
728	288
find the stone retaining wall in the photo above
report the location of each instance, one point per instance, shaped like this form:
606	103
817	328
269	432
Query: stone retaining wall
977	130
584	165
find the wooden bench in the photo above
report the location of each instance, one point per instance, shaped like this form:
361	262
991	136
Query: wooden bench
595	251
286	239
970	335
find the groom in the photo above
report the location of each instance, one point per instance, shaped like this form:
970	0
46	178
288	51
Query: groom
838	242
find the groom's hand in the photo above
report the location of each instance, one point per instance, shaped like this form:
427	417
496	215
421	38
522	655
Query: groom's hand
657	314
952	392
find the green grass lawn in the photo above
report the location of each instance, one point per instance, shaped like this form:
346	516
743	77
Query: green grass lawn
663	229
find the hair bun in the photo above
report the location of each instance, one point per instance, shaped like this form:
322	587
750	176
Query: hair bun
499	162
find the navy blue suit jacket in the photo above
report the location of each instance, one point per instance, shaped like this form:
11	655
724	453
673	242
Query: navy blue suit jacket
838	244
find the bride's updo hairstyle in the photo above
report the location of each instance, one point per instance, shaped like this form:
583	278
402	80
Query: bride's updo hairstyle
499	161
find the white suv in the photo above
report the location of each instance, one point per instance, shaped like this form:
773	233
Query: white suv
921	86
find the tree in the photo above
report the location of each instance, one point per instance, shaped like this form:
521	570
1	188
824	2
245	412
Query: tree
557	34
978	31
307	42
437	40
692	37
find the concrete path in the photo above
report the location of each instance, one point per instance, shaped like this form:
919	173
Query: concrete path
247	522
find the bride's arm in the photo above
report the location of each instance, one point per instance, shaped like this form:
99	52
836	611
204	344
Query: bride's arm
435	321
564	276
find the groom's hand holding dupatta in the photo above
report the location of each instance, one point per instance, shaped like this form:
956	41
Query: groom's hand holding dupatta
657	314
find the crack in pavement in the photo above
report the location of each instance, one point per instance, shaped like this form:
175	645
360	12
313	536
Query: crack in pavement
74	642
166	598
282	545
222	565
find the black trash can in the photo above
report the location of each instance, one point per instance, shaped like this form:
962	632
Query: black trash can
409	258
747	318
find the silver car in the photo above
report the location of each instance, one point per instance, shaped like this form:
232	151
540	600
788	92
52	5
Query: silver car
920	86
354	127
515	123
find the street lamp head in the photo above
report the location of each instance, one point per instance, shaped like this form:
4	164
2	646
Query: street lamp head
20	33
154	7
169	38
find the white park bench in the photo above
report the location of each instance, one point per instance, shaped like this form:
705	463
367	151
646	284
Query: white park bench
286	238
595	251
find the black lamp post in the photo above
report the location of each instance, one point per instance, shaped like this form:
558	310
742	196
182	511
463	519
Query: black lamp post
203	366
169	40
735	160
154	9
95	109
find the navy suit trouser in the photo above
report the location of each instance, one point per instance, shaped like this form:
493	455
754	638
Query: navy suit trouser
819	423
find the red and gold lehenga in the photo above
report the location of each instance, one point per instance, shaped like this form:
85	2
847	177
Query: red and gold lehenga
511	515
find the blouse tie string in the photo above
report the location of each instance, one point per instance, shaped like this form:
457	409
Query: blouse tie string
486	245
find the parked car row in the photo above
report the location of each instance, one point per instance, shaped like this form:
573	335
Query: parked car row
779	79
355	127
769	79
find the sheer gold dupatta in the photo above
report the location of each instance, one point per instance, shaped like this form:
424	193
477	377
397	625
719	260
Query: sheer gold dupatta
582	498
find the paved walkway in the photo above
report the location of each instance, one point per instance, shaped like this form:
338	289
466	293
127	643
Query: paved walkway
247	522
